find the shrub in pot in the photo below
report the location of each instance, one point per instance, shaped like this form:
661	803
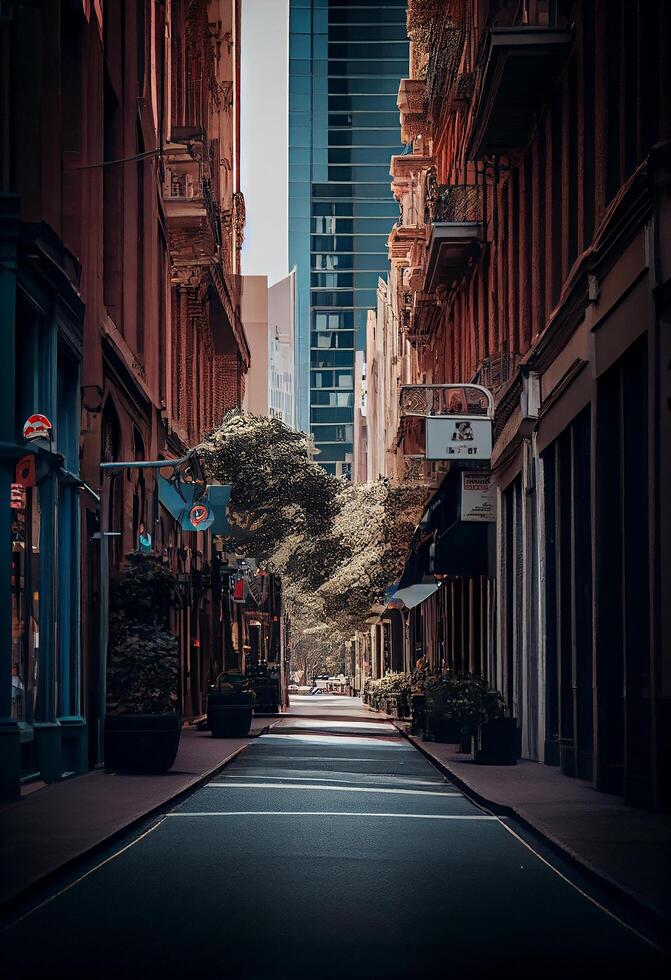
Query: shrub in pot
143	722
395	692
449	707
230	703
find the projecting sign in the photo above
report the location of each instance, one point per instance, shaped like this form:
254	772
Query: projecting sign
201	517
478	497
457	437
37	427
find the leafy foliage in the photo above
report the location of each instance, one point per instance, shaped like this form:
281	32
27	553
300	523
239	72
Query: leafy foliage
143	663
389	693
336	546
462	697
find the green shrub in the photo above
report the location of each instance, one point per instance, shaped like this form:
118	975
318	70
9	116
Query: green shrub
463	698
142	654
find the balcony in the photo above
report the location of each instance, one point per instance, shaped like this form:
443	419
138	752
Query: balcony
402	238
410	103
521	68
417	469
403	170
455	214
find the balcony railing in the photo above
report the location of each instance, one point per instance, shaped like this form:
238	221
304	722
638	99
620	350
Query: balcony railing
496	371
470	400
447	203
456	214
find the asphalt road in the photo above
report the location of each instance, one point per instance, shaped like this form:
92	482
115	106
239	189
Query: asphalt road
323	855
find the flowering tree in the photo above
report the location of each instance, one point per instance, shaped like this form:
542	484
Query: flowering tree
336	546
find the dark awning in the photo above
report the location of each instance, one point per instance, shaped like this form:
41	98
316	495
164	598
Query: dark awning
462	549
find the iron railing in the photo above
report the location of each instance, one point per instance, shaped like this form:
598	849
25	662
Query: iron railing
459	203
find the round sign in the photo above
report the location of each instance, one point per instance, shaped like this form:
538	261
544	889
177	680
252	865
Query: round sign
201	516
37	427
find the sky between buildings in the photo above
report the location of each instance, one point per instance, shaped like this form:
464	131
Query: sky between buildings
264	136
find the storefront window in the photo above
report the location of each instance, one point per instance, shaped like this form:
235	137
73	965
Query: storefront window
25	601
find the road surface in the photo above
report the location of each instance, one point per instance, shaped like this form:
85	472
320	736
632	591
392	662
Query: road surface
329	849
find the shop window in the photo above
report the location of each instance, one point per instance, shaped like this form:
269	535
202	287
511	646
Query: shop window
25	602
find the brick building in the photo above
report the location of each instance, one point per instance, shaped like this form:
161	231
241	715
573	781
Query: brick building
122	219
532	256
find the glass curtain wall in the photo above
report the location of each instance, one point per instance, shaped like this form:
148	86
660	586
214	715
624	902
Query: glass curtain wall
346	61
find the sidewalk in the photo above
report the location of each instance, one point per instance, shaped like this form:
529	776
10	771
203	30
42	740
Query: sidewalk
627	848
44	831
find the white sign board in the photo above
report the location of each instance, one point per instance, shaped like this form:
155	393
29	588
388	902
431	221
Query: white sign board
478	497
457	437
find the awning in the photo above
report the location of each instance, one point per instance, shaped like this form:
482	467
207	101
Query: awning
416	567
463	549
413	595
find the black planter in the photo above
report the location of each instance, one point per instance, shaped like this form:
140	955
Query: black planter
498	742
418	708
142	743
267	691
230	715
443	729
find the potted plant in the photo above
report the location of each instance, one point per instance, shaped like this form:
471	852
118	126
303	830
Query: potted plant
230	703
443	715
394	692
498	737
418	698
143	722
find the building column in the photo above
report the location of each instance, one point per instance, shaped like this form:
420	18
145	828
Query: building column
10	747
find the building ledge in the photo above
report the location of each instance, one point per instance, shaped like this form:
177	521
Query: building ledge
451	248
404	164
521	69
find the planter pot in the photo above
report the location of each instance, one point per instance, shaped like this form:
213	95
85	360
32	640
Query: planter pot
267	693
141	743
418	709
465	742
498	742
443	729
230	715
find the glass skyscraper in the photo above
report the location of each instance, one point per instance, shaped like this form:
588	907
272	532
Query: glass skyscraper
346	58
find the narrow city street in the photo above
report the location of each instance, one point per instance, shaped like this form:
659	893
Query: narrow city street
328	847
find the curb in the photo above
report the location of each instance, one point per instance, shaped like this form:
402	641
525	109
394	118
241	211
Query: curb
9	904
655	919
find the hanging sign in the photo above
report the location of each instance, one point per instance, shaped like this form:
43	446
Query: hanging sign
201	516
37	427
478	496
456	437
25	471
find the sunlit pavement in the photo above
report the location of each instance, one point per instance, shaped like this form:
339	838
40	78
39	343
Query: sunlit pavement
324	853
329	706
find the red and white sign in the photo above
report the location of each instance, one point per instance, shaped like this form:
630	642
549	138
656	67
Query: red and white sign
201	516
18	497
37	427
